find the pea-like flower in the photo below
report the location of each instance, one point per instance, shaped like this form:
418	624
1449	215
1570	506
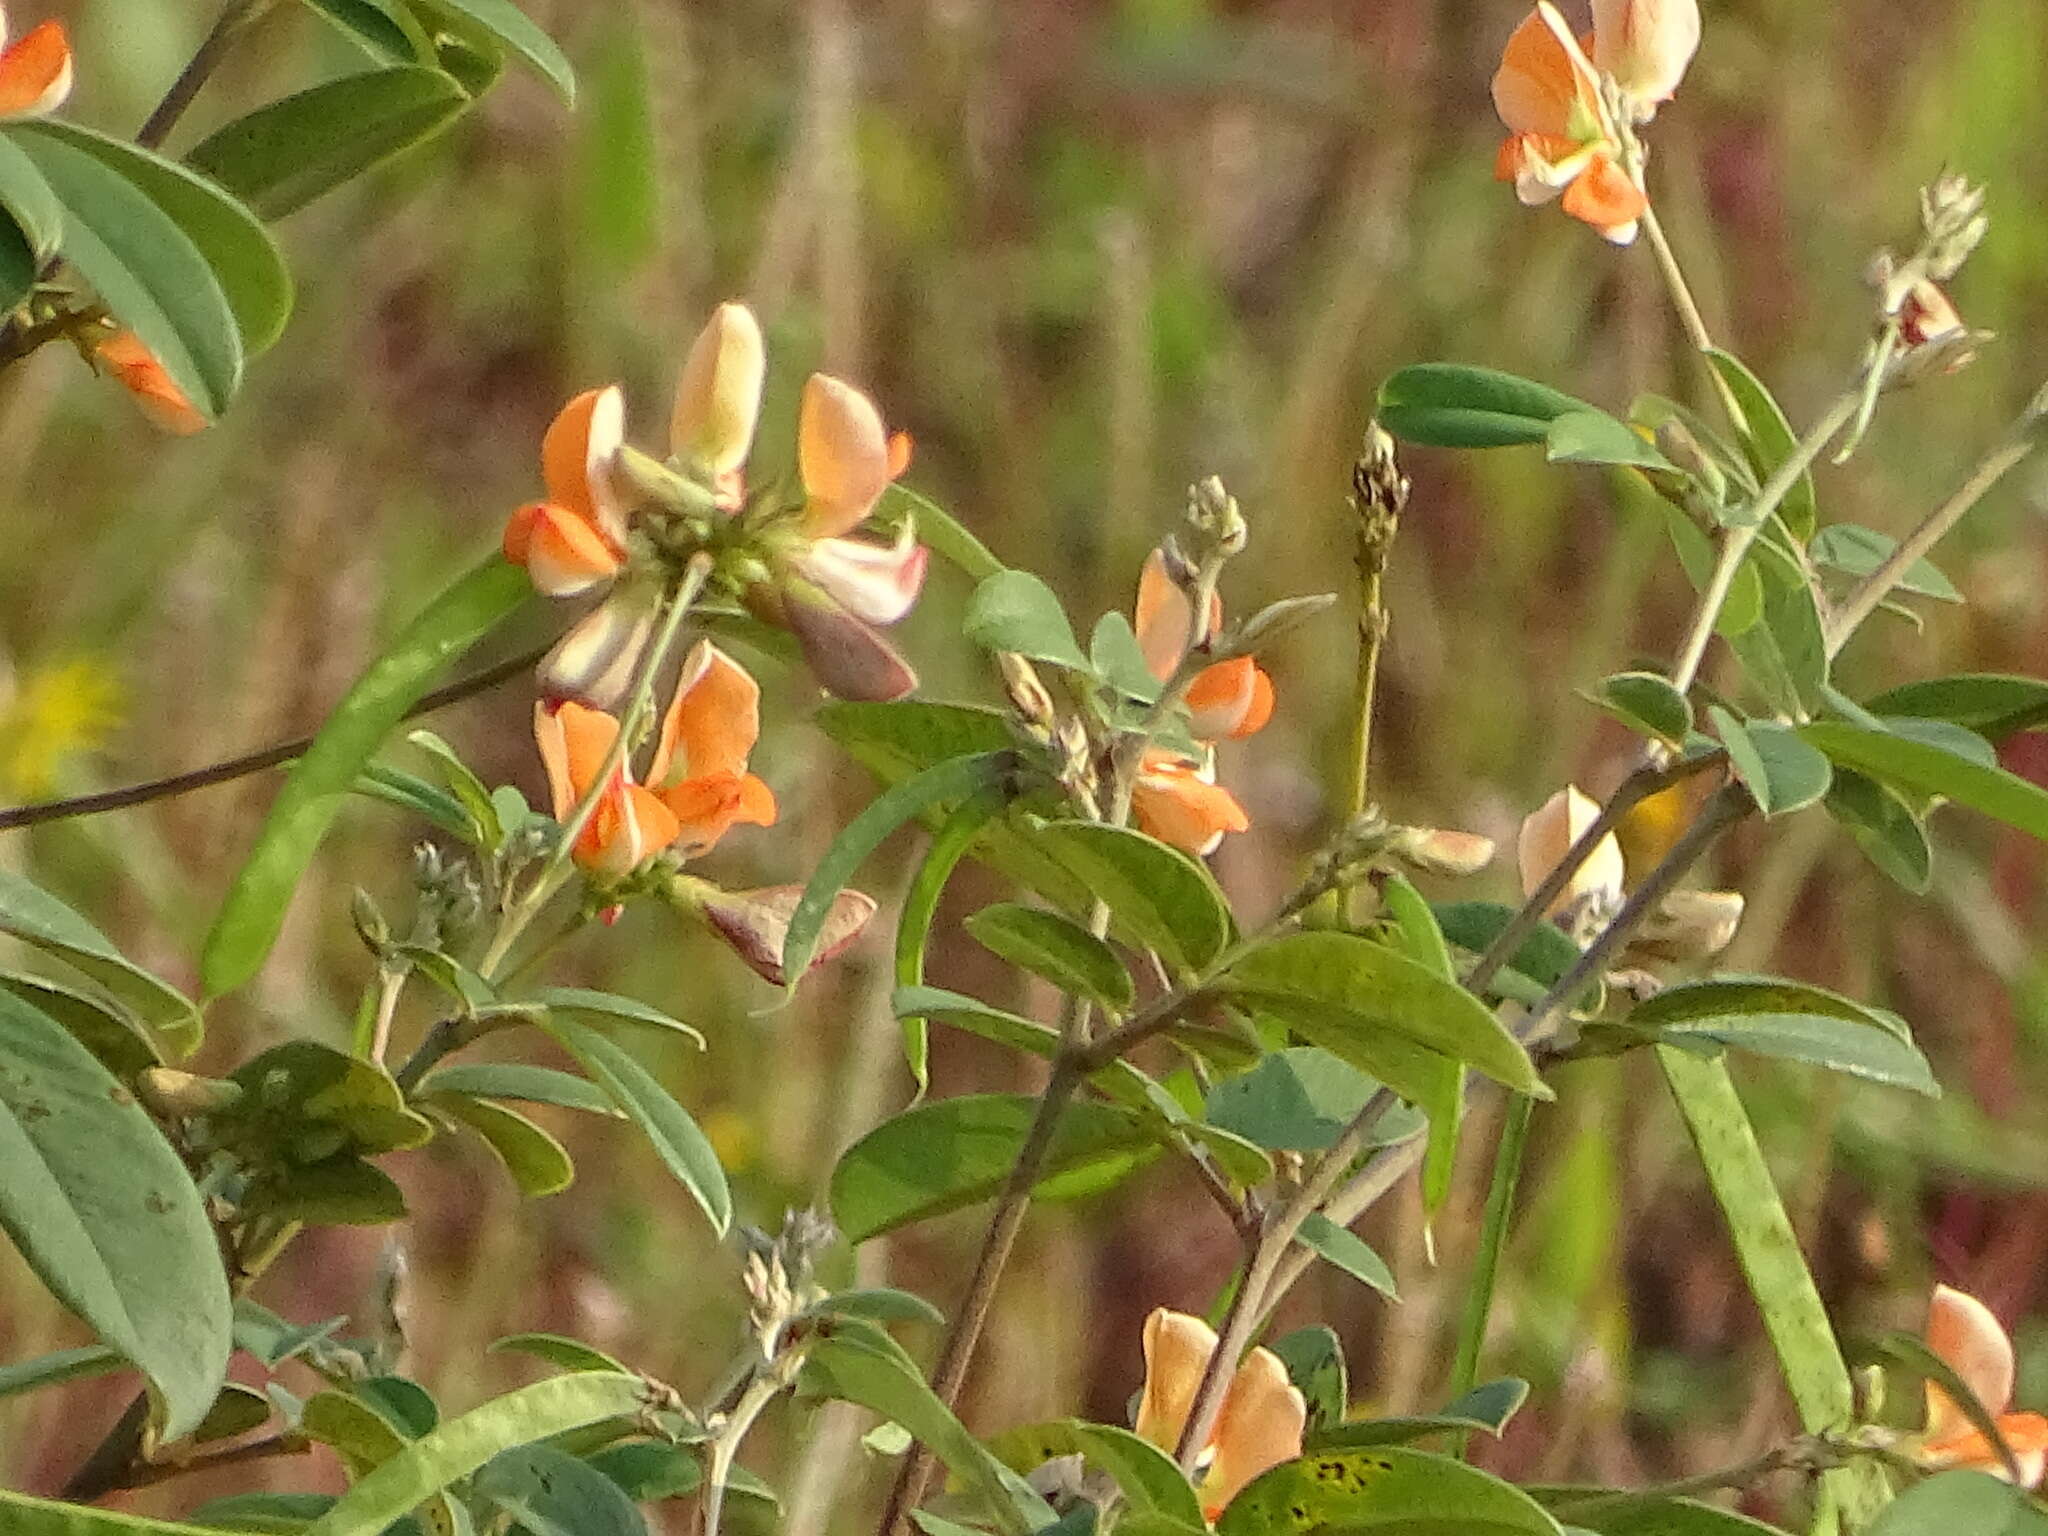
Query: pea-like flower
1963	1333
1261	1422
1233	698
136	369
575	538
1177	800
35	69
1549	832
1558	139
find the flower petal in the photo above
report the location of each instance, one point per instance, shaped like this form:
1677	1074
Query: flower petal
1962	1331
843	455
755	923
35	72
1646	45
628	827
574	741
1537	83
594	661
846	656
718	395
562	552
1549	832
712	722
1175	804
132	364
1261	709
1220	698
1260	1426
576	458
1603	196
1177	1351
876	583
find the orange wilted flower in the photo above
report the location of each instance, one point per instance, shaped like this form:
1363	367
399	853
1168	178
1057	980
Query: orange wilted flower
1962	1331
137	370
1263	1414
1177	801
1231	699
35	70
1558	137
697	785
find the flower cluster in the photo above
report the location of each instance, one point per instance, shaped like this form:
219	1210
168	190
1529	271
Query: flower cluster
609	514
1564	137
1175	797
1261	1421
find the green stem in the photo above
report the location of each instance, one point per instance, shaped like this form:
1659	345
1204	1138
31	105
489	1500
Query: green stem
1493	1233
761	1391
234	17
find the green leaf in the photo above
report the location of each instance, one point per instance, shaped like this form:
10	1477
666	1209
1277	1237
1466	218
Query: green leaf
21	1515
1151	1482
548	1493
461	1445
953	780
878	1304
1744	605
1646	702
515	1080
1118	659
304	809
1163	899
463	784
64	1365
942	531
1450	405
342	1191
104	1212
386	29
921	906
281	157
273	1514
245	260
27	200
1990	703
1782	772
1314	1358
511	26
1769	441
1858	551
19	266
1385	1489
1056	948
364	1432
394	786
1785	653
568	1354
1545	956
1413	929
1770	1016
1299	1100
1015	611
1347	1251
1951	1503
1355	989
858	1362
303	1084
1921	1363
38	919
1895	760
1620	1513
113	1034
677	1140
1119	1080
1594	437
1884	827
236	1411
538	1163
144	266
650	1470
607	1009
1486	1408
957	1152
1768	1250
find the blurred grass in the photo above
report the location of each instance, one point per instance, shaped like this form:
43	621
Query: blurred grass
1086	251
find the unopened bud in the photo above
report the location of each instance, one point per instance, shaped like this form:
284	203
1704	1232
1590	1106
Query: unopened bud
1214	514
1440	851
756	923
1646	46
1689	926
183	1095
718	396
370	925
1952	214
1927	315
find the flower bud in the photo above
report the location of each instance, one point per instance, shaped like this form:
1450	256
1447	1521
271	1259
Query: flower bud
718	396
1927	315
183	1095
844	455
1549	833
1691	925
1645	45
1441	851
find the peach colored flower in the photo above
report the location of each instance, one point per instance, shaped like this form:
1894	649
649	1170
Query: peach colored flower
137	370
1175	800
1962	1331
35	70
630	825
576	538
1551	830
1646	45
1263	1415
1557	142
1229	700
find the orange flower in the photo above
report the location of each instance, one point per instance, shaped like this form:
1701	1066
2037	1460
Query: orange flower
700	764
1176	801
630	824
1962	1331
576	538
1557	141
35	71
1231	699
1263	1414
135	367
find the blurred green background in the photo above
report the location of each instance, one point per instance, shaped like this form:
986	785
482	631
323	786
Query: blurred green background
1085	253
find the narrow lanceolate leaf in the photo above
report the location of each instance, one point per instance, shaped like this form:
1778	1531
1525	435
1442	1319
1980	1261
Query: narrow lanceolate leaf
609	1011
1450	405
921	906
1992	704
1771	1016
1794	1316
281	157
1342	990
20	266
1387	1489
385	29
511	26
1157	896
1346	1250
1150	1480
944	783
1768	441
942	531
37	918
146	269
460	1446
1932	770
304	809
245	259
64	1365
27	199
1057	948
538	1163
1884	827
682	1147
858	1362
957	1152
1646	702
21	1515
515	1080
106	1215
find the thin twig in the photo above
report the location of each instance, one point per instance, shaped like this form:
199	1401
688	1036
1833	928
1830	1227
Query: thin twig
234	17
249	762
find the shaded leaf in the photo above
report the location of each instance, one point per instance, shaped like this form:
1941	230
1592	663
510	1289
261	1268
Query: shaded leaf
1451	405
1594	437
1385	1488
1015	611
1165	900
1646	702
1858	551
509	25
1056	948
538	1163
1991	704
1884	827
569	1354
1769	440
40	920
1781	772
1893	759
515	1080
1774	1017
1299	1100
1347	1251
550	1493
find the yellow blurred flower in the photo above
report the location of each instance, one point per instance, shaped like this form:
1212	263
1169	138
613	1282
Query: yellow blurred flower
51	714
